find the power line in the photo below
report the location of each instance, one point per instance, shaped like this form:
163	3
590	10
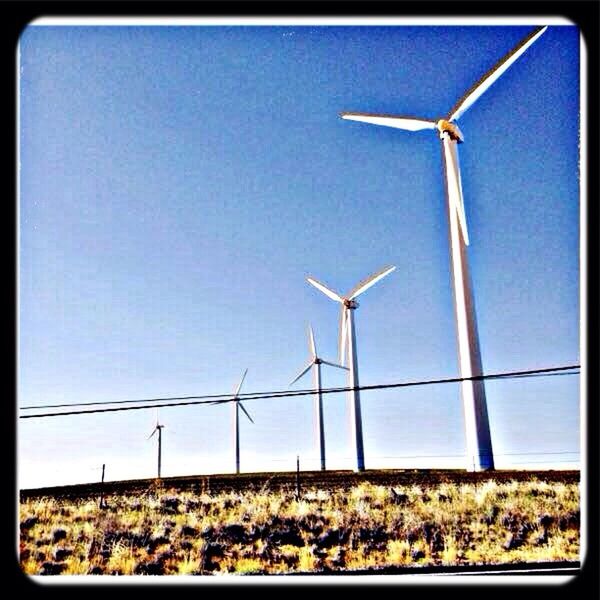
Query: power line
226	398
510	374
534	375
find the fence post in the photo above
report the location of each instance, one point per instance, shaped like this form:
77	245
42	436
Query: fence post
102	488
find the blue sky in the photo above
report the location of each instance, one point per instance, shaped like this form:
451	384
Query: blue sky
178	184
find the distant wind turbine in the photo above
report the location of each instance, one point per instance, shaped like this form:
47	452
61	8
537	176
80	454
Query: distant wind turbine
236	421
478	437
315	364
158	428
348	346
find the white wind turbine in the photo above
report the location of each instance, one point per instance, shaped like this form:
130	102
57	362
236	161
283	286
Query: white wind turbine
478	438
236	421
158	428
315	364
348	346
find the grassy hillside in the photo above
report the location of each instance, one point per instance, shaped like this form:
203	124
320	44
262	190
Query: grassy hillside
169	532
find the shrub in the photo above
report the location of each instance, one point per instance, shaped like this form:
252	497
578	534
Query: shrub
269	531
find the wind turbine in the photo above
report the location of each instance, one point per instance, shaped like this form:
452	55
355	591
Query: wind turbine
478	438
348	346
315	364
158	428
236	421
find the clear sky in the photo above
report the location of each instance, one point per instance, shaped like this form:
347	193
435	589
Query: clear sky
178	185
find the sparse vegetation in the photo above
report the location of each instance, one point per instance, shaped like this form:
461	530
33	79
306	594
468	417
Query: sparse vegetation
166	532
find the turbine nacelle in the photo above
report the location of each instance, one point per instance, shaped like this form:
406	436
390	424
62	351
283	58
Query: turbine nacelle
236	397
348	302
315	359
157	428
444	126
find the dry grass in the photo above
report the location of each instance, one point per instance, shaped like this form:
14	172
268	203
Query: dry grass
166	532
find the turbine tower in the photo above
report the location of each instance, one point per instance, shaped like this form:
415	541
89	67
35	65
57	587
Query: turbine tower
478	439
348	346
236	421
158	428
315	364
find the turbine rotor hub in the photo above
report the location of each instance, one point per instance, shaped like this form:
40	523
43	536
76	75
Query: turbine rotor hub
451	129
351	304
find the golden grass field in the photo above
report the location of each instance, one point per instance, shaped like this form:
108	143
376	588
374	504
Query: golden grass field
168	532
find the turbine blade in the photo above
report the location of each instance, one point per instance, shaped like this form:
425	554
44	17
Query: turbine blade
343	317
305	370
367	283
245	411
399	122
153	432
324	289
454	185
239	387
481	86
311	342
326	362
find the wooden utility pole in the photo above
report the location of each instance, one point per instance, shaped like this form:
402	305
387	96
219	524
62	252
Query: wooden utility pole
297	477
